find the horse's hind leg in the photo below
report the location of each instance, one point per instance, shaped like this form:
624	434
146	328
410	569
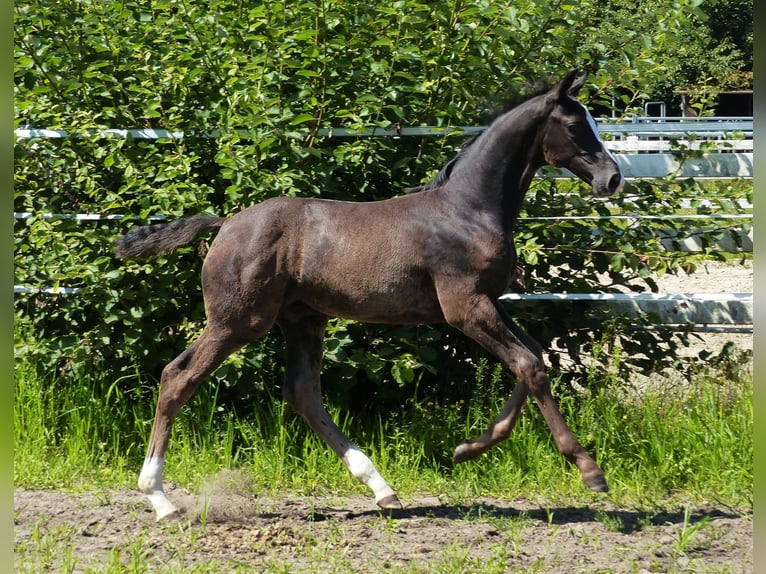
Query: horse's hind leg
180	378
304	337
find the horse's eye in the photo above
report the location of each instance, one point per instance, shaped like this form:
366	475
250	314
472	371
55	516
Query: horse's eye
573	128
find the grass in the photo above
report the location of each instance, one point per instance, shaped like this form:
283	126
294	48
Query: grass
660	449
651	446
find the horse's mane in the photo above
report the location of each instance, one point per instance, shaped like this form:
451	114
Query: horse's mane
441	178
515	97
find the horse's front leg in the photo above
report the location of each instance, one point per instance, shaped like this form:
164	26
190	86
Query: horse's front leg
486	322
502	426
304	337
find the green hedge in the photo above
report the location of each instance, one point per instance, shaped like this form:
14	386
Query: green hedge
281	71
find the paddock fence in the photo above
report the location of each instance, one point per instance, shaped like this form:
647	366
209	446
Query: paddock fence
644	147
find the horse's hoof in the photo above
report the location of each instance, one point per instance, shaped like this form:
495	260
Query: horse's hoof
390	502
163	508
596	483
171	516
464	452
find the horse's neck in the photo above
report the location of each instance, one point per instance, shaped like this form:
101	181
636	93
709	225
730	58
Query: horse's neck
495	175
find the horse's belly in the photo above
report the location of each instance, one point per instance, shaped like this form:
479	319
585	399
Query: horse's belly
373	296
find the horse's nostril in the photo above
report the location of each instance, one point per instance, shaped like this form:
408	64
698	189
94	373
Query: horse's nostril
615	182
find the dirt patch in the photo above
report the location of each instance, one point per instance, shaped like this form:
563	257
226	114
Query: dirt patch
228	528
713	277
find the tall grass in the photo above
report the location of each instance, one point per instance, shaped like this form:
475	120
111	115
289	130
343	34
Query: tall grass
73	435
695	441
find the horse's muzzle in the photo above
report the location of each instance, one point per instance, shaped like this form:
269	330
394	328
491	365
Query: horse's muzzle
612	186
615	185
600	170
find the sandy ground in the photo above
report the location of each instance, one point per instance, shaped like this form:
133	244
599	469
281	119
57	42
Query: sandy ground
243	532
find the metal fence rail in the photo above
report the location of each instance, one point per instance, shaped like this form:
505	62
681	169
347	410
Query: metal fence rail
642	145
666	127
642	148
701	309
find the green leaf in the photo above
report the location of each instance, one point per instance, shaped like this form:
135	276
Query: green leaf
301	119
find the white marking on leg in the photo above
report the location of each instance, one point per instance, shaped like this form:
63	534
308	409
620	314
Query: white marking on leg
366	473
150	483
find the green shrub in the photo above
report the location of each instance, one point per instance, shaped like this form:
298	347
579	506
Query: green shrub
264	79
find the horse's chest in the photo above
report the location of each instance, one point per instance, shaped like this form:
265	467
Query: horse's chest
496	263
488	257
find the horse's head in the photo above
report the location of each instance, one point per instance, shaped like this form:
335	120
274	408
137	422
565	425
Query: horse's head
571	140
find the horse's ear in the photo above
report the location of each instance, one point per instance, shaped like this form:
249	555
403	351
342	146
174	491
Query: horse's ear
560	90
577	85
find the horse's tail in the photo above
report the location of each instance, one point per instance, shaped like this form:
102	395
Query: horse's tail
160	238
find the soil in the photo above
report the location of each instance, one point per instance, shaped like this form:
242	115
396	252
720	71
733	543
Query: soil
228	528
243	532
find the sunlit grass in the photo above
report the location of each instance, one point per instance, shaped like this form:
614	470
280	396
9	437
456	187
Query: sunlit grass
661	447
652	445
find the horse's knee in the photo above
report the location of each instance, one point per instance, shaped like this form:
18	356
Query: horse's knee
531	370
502	430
